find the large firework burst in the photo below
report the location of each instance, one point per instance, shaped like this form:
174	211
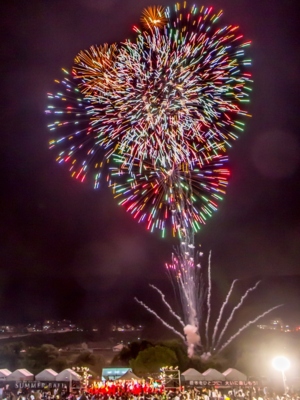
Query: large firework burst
173	94
167	103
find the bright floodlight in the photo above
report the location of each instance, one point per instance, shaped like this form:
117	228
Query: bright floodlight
281	363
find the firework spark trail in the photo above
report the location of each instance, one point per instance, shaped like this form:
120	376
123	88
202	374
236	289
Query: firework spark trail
169	199
246	326
187	278
189	287
70	113
185	298
183	264
208	299
221	312
160	319
234	310
185	291
188	272
163	297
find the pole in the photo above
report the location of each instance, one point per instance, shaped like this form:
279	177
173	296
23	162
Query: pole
284	382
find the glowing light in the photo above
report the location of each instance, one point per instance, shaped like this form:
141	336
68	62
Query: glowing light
281	363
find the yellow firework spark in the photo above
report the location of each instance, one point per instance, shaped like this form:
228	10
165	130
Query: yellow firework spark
94	66
154	16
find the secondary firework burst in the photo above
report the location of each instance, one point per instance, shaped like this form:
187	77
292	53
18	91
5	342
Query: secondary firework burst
194	286
95	69
179	198
154	17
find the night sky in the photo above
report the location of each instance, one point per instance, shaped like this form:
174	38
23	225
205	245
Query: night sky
68	251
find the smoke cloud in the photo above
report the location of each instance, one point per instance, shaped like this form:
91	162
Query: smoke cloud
192	338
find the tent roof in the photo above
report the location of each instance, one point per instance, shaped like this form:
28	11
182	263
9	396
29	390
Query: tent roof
192	374
128	376
234	374
20	375
46	374
214	375
67	375
21	372
4	372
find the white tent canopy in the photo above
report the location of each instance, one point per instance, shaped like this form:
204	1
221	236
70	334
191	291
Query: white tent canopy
47	375
213	375
128	376
68	375
232	374
4	373
21	375
192	374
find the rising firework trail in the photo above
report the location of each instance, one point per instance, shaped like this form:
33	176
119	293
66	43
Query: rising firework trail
237	307
163	297
208	303
194	325
246	326
160	319
221	312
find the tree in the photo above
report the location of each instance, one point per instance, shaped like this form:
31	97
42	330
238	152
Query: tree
17	347
88	359
180	350
59	364
152	359
131	351
10	356
39	358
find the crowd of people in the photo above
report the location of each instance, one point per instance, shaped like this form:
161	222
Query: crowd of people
131	390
